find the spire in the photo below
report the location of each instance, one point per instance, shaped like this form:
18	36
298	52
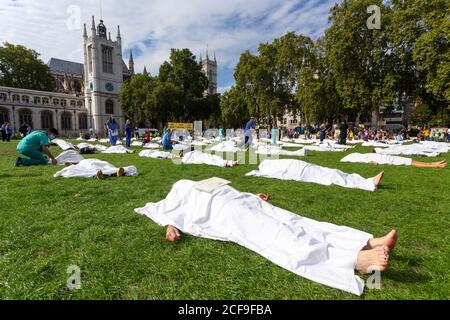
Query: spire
201	59
93	29
145	70
85	32
131	63
215	60
118	32
109	36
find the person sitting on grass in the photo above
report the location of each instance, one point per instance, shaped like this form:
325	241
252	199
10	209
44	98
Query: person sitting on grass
35	147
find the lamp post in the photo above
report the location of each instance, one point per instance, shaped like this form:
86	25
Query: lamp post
90	113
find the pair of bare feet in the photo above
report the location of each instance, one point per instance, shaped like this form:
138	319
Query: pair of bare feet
235	163
375	256
120	173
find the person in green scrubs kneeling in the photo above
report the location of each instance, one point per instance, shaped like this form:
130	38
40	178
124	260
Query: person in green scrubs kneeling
35	147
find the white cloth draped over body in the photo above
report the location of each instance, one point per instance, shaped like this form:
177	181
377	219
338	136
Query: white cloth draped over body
378	159
117	150
276	151
69	156
422	149
321	252
197	157
137	144
97	147
226	146
152	146
155	154
302	171
88	168
375	144
64	145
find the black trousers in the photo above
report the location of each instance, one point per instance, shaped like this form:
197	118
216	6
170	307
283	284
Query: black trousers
3	135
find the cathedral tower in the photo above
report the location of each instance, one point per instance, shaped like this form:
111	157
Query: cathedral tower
104	71
209	68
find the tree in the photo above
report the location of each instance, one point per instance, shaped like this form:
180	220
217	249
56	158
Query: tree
317	95
421	114
185	73
21	68
234	108
137	100
359	58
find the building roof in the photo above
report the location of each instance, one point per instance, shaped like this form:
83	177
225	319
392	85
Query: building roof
67	67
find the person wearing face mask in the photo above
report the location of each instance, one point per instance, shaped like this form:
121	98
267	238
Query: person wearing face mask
35	147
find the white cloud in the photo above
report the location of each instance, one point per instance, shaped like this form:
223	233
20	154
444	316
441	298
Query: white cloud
229	27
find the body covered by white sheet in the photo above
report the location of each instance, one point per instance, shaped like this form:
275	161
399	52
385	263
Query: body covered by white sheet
428	150
117	150
69	156
197	157
64	145
226	146
156	154
302	171
276	151
318	251
378	159
88	169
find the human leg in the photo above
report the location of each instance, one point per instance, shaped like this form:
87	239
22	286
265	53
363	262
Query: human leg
418	164
34	158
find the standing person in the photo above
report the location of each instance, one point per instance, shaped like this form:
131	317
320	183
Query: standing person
112	129
147	136
3	131
128	133
136	133
448	135
323	129
166	142
9	131
248	136
344	133
35	147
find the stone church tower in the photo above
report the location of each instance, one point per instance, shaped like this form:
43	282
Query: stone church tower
104	73
209	68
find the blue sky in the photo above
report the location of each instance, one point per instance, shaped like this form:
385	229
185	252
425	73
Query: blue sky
152	27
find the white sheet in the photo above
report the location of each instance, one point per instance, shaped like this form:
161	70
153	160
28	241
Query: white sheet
64	145
155	154
88	169
117	150
427	149
375	144
276	151
137	144
97	147
197	157
320	252
302	171
152	146
69	156
226	146
377	158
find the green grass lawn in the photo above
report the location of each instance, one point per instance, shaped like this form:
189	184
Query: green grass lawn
48	224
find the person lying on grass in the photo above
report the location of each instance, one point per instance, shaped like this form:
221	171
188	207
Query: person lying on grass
381	159
35	148
93	168
318	251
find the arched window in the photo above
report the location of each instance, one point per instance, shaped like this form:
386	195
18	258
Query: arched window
63	103
47	119
16	98
66	121
45	101
82	121
72	103
25	99
25	117
109	107
4	115
80	103
107	57
56	102
37	100
3	96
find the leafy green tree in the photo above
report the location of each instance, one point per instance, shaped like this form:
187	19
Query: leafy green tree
21	68
234	108
421	114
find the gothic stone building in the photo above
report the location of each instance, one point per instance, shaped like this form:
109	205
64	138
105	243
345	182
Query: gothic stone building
85	96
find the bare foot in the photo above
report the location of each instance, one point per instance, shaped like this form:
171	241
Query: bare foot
68	164
373	163
172	234
377	179
442	164
375	259
237	163
120	172
100	175
389	241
